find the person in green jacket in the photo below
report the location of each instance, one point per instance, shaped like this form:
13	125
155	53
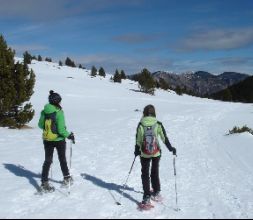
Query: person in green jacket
52	122
149	150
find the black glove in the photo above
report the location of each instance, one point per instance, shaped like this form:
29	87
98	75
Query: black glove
137	151
72	137
174	151
170	148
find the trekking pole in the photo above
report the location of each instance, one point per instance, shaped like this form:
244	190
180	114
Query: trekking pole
70	163
175	174
52	170
124	186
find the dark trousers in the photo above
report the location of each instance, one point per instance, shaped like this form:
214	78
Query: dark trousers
49	152
155	179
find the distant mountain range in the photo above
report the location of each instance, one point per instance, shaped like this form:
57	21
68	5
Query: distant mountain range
200	83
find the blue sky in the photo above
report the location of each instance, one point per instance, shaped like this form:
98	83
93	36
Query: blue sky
170	35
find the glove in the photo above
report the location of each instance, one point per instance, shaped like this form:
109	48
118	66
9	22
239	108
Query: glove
174	151
72	137
137	151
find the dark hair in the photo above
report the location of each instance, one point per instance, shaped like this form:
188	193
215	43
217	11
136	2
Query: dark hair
149	111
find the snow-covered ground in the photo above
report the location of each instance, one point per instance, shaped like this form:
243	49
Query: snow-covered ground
215	172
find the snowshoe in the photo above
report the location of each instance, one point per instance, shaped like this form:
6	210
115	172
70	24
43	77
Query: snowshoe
67	181
46	188
145	205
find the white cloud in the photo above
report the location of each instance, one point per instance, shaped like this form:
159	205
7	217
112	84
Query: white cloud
130	64
47	10
217	39
28	47
136	38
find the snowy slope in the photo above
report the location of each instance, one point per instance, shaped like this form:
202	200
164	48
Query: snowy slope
215	172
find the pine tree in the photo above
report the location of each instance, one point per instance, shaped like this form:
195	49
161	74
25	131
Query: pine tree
93	71
163	84
117	77
60	63
34	58
69	62
27	58
16	88
40	58
122	74
80	66
179	91
48	59
227	95
146	82
101	72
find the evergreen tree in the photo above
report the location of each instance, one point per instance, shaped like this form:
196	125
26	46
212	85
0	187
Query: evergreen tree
60	63
94	71
117	77
69	62
101	72
27	58
80	66
146	82
122	74
179	91
16	88
34	58
40	58
227	95
48	59
163	84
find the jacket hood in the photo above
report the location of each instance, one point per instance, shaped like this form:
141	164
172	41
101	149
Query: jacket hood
49	109
148	121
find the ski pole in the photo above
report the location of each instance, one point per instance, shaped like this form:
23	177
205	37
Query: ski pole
70	164
71	152
52	171
124	186
175	174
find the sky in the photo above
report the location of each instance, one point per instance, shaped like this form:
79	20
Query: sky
161	35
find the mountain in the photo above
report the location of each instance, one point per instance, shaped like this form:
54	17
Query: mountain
241	92
214	172
201	83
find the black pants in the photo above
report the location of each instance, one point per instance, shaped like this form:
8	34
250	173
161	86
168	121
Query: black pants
49	152
155	179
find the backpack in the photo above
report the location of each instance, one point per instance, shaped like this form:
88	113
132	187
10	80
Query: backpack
150	144
50	128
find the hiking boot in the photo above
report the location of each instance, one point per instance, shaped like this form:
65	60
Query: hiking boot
46	187
146	200
68	180
156	196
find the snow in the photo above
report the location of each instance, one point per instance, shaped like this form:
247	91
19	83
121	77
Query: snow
214	171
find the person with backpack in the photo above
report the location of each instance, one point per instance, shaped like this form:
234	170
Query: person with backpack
149	150
52	122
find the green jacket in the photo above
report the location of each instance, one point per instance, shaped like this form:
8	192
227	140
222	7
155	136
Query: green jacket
159	132
60	121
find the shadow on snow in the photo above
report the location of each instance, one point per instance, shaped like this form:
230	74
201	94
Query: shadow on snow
21	171
111	187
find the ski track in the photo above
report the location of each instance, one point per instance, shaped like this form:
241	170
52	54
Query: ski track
212	181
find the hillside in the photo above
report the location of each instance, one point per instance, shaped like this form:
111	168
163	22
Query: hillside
214	171
241	92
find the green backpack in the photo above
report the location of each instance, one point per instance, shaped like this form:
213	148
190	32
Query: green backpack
50	129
